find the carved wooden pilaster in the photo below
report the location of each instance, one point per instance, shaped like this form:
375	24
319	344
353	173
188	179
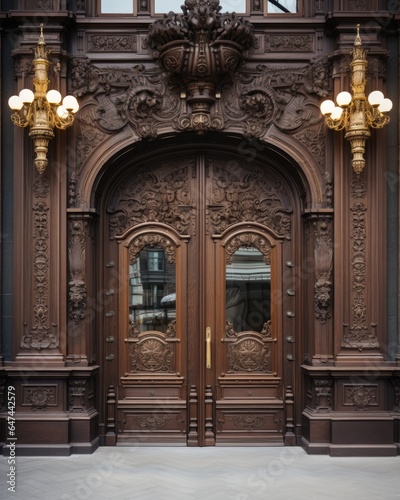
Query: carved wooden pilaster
81	276
318	273
360	211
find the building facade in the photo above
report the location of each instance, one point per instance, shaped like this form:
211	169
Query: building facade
199	263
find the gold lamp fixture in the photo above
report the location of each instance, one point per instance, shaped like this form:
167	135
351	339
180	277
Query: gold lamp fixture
43	109
355	113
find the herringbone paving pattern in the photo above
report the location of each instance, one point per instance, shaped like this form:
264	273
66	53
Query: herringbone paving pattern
203	473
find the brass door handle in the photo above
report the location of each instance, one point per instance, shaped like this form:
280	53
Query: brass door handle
208	347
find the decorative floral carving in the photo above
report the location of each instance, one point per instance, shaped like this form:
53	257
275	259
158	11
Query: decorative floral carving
249	351
240	195
248	240
288	43
40	335
152	422
358	5
39	397
323	255
249	354
151	355
153	241
249	422
76	395
323	395
42	5
133	329
396	386
77	285
112	43
153	197
358	335
361	396
314	140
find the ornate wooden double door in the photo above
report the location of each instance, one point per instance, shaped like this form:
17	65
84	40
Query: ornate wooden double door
199	244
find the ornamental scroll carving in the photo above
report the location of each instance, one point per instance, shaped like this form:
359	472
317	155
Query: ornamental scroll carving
248	240
358	334
154	196
147	103
115	43
242	195
153	241
42	335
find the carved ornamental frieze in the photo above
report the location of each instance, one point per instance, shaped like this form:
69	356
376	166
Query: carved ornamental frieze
251	195
154	196
251	102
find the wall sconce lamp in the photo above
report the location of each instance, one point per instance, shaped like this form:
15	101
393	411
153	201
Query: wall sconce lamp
355	113
42	110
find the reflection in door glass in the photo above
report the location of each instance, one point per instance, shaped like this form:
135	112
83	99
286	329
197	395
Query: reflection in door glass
248	291
152	290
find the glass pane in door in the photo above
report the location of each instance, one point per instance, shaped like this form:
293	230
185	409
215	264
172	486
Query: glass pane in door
248	291
152	291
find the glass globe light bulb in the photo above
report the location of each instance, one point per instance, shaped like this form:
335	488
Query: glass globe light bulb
385	106
327	107
70	103
15	103
336	113
375	98
26	96
62	112
343	99
53	97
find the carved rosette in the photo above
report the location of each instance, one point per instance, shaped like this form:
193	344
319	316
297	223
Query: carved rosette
152	354
161	196
39	397
358	334
362	397
323	254
249	351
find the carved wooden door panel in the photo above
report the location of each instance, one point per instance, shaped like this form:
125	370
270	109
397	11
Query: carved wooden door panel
199	243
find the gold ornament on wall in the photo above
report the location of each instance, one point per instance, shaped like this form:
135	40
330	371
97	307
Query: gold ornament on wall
355	113
44	109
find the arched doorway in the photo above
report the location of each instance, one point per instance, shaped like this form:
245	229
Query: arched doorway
196	255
